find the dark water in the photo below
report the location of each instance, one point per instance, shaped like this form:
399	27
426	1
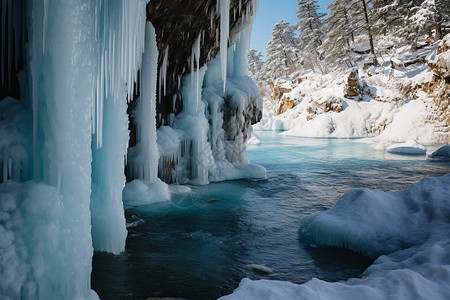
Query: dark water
200	246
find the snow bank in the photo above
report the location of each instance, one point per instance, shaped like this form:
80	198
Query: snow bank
411	147
410	226
442	153
138	193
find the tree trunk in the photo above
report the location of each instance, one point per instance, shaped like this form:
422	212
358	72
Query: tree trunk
438	34
369	31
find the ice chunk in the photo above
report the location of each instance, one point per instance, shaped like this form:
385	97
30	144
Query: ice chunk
253	141
411	147
277	125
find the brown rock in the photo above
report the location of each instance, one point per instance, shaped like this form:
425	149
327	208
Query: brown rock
352	89
285	104
331	104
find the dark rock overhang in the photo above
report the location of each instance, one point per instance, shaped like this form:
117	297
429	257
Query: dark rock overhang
178	23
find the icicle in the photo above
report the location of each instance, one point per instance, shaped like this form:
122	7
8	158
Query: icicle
224	32
211	17
5	169
240	6
163	69
174	102
4	7
44	28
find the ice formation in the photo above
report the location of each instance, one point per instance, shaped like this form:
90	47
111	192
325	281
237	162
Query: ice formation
410	227
64	143
208	140
121	37
411	147
143	158
83	59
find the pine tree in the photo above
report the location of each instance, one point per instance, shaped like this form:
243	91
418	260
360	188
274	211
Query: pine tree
309	26
281	51
255	64
421	19
388	16
430	16
339	32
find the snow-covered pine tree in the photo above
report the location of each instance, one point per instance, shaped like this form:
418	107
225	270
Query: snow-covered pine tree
255	64
429	16
421	19
359	11
339	33
309	26
281	51
389	16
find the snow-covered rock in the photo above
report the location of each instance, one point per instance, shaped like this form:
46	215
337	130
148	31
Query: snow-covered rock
442	153
411	147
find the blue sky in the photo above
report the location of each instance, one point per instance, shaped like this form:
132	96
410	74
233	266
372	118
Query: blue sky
271	12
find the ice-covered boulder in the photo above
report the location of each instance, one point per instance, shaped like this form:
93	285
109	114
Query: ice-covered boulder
442	153
411	147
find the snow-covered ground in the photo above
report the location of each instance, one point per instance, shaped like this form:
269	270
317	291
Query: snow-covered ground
406	231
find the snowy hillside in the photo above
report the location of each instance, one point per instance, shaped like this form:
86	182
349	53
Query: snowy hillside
394	102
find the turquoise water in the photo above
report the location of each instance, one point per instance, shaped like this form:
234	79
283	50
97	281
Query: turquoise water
200	246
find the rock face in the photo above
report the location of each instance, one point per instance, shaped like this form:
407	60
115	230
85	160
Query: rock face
439	87
323	106
353	89
279	90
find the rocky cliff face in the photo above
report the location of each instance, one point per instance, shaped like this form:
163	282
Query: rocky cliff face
439	87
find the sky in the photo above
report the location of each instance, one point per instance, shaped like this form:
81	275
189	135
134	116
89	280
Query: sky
271	12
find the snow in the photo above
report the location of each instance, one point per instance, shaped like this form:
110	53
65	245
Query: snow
411	147
442	153
138	192
407	231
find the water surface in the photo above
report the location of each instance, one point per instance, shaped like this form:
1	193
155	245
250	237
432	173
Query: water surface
200	245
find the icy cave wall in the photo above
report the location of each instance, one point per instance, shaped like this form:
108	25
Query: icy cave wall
73	69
